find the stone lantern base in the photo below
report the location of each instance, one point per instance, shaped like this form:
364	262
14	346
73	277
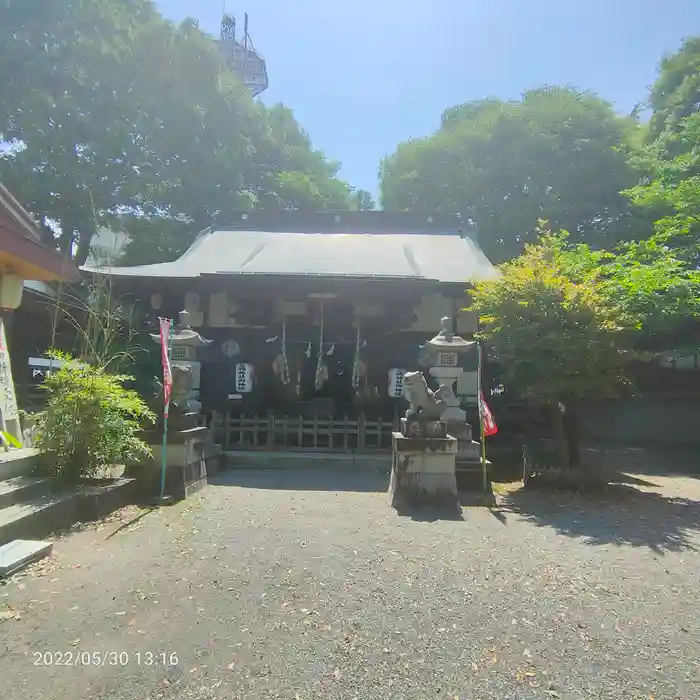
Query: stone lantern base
186	465
469	469
468	450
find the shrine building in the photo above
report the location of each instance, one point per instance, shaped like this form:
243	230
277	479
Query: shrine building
314	318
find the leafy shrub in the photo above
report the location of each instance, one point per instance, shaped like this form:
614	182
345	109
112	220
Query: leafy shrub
91	421
8	440
28	422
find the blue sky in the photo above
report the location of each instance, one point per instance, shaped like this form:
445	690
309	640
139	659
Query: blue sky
362	76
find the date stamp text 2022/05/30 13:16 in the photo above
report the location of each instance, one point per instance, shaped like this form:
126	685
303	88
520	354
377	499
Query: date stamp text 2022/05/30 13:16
105	658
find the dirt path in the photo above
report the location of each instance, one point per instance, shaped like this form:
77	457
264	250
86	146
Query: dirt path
299	585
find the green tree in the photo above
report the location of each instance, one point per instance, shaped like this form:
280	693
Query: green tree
282	171
154	239
362	200
675	93
557	153
112	111
671	193
289	172
565	322
670	162
65	79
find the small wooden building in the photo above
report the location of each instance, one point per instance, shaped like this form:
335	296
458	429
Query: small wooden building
23	258
313	318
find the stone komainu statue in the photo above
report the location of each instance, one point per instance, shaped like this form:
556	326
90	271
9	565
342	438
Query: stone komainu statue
424	403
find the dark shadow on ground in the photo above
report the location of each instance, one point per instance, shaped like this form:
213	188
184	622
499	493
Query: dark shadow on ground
362	481
429	514
622	515
499	515
129	523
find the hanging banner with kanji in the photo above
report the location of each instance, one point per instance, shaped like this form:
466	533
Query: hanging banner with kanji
8	398
165	325
487	419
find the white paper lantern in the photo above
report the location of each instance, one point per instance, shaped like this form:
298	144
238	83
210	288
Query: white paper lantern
11	288
244	378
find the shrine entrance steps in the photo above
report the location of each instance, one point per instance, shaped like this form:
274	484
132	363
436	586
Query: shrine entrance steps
300	459
32	507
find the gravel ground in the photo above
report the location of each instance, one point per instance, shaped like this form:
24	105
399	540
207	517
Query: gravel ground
300	585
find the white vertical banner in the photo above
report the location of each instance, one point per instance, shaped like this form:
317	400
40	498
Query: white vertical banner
8	398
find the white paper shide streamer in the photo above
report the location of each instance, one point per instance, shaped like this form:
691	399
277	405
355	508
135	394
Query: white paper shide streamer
321	370
356	361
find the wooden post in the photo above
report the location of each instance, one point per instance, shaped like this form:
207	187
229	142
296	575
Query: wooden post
361	432
227	430
271	430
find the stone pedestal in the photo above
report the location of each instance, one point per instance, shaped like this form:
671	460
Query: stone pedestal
468	450
186	469
423	473
418	428
468	467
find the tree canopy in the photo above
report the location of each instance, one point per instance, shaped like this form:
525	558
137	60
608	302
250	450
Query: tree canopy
565	321
670	161
557	153
112	111
675	93
552	331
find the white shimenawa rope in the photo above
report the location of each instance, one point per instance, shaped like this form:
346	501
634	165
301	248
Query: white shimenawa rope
356	360
285	364
319	364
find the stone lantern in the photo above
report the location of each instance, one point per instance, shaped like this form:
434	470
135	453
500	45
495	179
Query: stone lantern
435	442
446	347
445	351
184	342
188	451
184	339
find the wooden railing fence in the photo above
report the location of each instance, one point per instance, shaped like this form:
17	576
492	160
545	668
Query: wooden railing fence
271	431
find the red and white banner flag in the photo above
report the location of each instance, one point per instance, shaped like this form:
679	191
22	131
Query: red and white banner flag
165	325
487	419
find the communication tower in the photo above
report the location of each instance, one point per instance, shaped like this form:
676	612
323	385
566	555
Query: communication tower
241	56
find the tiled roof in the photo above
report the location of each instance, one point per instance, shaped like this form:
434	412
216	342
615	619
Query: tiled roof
15	218
21	245
441	257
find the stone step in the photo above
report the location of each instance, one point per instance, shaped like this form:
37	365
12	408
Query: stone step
23	488
273	459
17	554
39	517
18	462
470	465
